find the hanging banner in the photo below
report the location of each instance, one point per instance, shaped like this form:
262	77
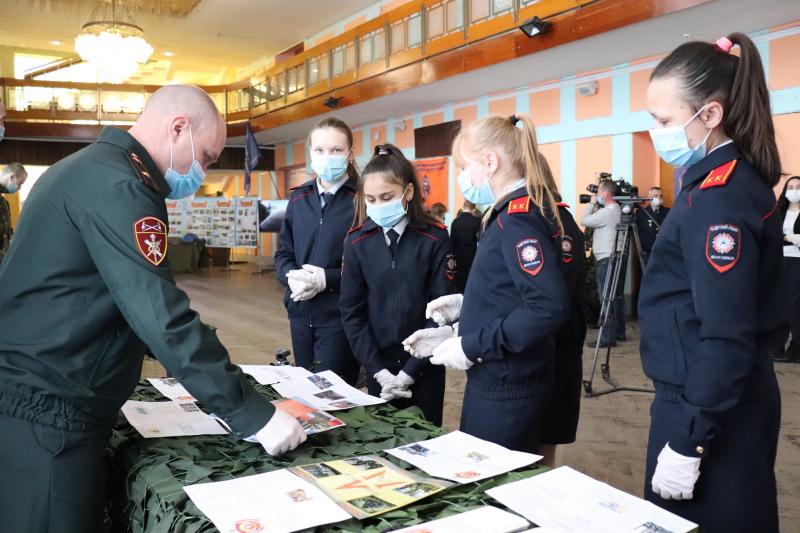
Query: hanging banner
433	176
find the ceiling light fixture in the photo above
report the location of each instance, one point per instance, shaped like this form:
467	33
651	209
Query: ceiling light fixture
113	46
332	102
535	26
55	42
169	54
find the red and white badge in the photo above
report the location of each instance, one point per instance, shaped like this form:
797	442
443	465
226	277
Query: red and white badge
151	239
530	256
567	245
723	246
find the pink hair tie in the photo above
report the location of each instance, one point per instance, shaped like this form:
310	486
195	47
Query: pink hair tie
724	44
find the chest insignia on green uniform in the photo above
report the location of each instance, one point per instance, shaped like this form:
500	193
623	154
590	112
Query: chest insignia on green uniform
151	239
141	171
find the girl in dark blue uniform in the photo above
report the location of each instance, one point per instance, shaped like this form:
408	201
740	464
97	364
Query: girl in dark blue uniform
711	304
396	259
308	261
516	298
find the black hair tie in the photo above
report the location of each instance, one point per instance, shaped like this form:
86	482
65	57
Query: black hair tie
513	119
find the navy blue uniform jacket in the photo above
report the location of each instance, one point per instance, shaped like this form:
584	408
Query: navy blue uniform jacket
383	300
515	300
711	298
310	237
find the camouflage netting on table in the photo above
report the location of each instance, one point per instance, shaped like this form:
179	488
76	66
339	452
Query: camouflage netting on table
146	476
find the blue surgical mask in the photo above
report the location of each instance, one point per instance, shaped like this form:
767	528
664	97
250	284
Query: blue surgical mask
480	195
183	185
672	144
601	201
2	132
330	168
388	214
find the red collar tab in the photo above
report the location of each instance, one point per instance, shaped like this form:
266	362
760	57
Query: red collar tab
519	205
719	176
563	204
355	229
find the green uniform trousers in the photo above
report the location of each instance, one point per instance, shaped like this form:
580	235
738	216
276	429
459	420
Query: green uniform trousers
51	480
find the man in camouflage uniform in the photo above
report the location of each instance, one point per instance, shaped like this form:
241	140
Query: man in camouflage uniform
11	179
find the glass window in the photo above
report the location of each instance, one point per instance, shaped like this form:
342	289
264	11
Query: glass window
338	61
301	77
436	21
455	15
350	57
313	71
292	80
398	36
281	81
366	49
378	45
323	67
480	10
501	6
414	30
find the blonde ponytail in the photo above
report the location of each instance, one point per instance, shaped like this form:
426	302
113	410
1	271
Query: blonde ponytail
536	173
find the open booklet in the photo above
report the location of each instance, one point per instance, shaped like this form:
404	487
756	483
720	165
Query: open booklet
368	485
564	500
463	458
275	502
481	520
326	391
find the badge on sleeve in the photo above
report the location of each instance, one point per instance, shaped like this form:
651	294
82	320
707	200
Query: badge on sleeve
723	246
530	256
450	266
151	239
567	245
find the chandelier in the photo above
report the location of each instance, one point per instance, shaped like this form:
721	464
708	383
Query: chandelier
114	47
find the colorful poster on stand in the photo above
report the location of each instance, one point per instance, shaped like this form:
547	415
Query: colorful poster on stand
224	223
368	485
178	217
246	221
200	218
433	176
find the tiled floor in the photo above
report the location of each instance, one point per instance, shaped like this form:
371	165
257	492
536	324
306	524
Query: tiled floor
612	435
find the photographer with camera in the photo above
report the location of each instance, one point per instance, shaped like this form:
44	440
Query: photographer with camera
604	221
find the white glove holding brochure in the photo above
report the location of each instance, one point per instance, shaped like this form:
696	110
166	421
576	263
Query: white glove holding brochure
281	434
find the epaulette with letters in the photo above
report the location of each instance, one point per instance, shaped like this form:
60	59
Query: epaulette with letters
719	176
141	171
519	205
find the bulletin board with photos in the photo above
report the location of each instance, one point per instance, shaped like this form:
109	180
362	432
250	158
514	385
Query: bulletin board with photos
221	222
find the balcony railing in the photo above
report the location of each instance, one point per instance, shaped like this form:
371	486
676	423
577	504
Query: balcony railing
412	32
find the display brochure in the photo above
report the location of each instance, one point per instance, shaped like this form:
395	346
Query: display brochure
481	520
326	391
170	419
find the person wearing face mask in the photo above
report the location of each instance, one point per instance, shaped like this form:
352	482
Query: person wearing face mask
712	306
308	261
603	215
650	218
396	259
11	179
516	297
789	207
86	291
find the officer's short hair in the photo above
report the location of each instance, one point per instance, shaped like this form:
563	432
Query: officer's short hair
655	188
609	186
16	170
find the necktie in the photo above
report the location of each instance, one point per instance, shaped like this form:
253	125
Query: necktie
393	236
326	200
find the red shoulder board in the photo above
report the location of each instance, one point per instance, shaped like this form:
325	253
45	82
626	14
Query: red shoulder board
355	229
439	225
141	171
563	204
519	205
719	176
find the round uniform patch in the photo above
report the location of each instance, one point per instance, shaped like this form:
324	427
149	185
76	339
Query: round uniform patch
529	255
567	246
151	239
723	246
450	266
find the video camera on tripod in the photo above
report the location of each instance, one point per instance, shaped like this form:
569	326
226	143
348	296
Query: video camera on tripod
625	242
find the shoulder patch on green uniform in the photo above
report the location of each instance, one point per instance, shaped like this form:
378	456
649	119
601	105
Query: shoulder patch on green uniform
719	176
150	235
141	171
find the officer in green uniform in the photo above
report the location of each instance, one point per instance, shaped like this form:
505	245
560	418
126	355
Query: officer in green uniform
85	290
11	179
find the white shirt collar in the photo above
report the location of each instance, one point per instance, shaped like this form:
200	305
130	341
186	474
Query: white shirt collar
729	141
333	188
400	227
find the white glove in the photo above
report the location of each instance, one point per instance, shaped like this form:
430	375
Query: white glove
389	384
422	342
317	277
301	283
445	309
794	239
675	475
281	434
451	354
402	385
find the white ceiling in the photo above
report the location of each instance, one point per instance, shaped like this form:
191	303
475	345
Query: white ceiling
645	39
217	34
